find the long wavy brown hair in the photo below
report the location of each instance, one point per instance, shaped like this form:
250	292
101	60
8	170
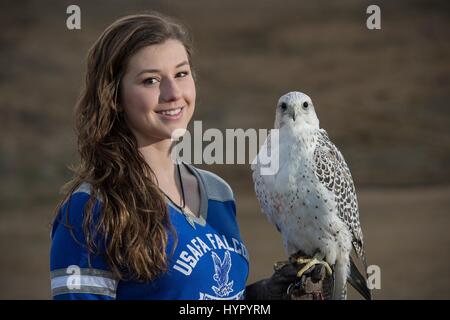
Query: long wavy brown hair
134	223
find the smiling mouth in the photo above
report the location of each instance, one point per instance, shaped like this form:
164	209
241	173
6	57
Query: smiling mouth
171	113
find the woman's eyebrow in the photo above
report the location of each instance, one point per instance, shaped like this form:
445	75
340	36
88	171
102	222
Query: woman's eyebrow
183	63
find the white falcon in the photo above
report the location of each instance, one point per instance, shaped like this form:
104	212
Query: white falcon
311	199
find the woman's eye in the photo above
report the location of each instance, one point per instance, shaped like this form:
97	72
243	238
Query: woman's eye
182	74
150	81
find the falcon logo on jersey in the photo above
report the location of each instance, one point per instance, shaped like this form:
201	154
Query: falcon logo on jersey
221	271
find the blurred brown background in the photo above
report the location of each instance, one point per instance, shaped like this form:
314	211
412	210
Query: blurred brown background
382	95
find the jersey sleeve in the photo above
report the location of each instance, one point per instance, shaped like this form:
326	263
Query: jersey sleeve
74	273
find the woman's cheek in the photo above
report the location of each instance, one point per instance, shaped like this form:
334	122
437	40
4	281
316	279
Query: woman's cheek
145	98
190	93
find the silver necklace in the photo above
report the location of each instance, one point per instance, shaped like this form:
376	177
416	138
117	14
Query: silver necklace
188	214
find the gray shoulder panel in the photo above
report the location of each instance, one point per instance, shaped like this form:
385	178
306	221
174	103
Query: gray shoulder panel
85	188
216	188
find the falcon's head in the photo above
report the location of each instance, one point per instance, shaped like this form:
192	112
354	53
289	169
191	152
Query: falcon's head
296	109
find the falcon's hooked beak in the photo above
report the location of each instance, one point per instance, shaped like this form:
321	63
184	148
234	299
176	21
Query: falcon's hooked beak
293	115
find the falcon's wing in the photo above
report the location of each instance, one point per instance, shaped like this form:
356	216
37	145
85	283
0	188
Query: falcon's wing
226	266
333	172
217	263
264	193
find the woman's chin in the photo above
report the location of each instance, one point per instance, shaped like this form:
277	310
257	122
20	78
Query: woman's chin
174	132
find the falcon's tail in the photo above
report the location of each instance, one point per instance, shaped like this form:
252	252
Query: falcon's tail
358	281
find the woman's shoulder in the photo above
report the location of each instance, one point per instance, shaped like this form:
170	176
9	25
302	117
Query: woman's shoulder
82	193
84	187
216	187
72	210
80	196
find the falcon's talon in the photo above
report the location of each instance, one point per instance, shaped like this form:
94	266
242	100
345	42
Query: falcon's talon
309	262
318	296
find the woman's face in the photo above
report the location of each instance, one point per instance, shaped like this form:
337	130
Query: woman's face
158	91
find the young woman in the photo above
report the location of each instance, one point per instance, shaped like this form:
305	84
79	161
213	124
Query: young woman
134	224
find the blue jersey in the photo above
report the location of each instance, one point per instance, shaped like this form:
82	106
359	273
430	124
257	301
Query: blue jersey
210	260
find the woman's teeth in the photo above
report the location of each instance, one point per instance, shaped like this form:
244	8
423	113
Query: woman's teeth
173	112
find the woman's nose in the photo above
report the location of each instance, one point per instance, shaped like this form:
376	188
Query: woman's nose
170	90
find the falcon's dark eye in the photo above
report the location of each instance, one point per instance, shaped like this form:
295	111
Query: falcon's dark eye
305	105
283	106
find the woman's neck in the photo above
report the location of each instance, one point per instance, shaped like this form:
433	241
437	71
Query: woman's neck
158	157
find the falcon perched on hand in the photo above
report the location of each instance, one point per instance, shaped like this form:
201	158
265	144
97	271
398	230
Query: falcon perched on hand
311	199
